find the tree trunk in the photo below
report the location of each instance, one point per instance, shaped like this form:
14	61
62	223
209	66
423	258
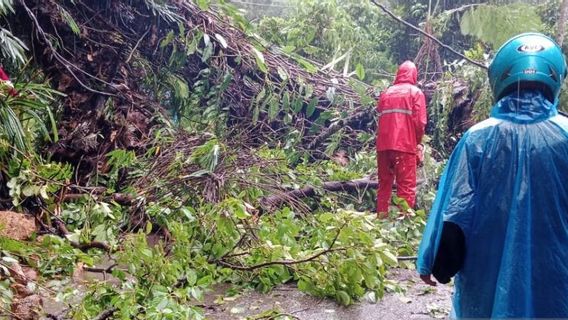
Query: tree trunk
562	22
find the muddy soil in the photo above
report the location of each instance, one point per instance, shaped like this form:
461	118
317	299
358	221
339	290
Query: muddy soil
414	301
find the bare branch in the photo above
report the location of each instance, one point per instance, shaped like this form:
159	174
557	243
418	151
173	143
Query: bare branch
101	270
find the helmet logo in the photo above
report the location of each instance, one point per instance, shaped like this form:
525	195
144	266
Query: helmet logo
531	47
529	71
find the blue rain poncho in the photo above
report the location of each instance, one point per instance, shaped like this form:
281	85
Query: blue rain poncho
506	186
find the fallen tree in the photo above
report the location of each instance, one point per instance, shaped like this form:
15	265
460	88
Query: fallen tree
99	62
276	200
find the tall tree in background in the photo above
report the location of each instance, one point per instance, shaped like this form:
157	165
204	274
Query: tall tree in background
562	22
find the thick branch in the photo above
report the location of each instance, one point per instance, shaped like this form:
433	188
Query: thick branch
91	245
276	200
440	43
81	246
106	314
120	198
319	139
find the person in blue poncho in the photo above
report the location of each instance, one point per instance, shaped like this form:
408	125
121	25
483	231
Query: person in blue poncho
500	219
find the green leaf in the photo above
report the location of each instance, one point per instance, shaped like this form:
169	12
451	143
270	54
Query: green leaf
256	105
188	214
240	211
283	75
203	4
360	71
192	45
70	21
259	57
181	88
307	65
6	6
389	258
286	101
305	286
148	228
312	106
255	113
495	24
298	104
273	108
168	39
309	91
207	53
191	277
12	47
205	281
343	298
221	40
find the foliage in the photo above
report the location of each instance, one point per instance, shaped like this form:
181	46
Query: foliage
309	32
470	86
26	117
144	290
496	24
242	120
35	178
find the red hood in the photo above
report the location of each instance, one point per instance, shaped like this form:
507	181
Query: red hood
406	73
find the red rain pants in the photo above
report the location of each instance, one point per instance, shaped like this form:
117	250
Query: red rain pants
400	166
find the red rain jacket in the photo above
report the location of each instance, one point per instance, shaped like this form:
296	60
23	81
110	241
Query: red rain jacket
5	77
402	112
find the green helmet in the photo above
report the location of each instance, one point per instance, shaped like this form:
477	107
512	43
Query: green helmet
528	60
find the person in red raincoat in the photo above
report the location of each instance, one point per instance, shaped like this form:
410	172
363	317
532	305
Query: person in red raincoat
5	80
402	120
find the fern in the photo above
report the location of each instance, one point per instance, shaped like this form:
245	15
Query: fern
12	47
11	126
25	115
6	6
66	16
160	8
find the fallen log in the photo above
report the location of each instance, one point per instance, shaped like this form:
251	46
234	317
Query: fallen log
277	200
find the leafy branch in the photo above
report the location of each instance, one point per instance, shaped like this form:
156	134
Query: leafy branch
285	262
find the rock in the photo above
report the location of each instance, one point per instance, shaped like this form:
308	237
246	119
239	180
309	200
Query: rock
28	308
30	273
17	273
16	226
21	290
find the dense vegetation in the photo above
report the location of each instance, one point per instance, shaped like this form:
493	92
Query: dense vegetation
174	145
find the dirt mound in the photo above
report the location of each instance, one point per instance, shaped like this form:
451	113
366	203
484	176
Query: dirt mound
16	226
